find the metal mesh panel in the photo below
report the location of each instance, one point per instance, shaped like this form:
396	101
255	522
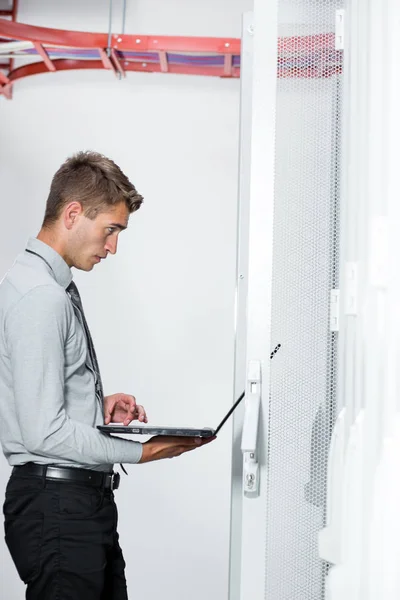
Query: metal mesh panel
306	246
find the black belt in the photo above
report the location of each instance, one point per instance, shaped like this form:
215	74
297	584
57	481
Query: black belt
84	476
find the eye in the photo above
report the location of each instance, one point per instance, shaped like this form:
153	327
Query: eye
110	230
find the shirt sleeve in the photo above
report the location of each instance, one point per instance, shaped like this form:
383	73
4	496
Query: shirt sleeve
36	330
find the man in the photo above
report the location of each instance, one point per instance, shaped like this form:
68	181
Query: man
60	515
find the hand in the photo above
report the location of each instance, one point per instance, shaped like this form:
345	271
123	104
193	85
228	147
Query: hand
121	408
170	446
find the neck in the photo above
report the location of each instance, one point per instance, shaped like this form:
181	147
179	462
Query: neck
50	237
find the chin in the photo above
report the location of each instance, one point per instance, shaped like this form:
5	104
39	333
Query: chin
86	268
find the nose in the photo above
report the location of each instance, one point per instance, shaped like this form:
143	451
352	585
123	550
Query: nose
111	245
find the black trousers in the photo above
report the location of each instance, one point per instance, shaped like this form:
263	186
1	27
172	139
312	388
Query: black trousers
63	539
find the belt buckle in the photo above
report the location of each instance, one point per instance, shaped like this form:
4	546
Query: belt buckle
115	477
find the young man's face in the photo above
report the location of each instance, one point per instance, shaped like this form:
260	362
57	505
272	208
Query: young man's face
94	239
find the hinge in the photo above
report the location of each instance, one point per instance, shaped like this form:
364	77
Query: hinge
334	312
339	29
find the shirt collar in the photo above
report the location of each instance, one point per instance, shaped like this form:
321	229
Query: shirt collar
62	272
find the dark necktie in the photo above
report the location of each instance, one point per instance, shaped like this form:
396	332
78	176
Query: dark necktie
91	358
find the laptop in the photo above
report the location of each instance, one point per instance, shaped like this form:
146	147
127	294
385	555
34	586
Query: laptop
205	432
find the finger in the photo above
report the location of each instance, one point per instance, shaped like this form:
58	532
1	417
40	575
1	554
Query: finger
178	445
197	443
130	416
130	403
190	444
108	412
141	413
205	441
189	441
130	407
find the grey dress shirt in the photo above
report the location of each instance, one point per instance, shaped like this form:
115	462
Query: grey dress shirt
48	407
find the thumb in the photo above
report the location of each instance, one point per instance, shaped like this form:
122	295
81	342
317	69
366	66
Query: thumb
191	441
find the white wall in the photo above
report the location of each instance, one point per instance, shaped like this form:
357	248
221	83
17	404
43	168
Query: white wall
161	311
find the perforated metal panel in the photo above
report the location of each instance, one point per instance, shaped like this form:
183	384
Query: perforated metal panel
306	246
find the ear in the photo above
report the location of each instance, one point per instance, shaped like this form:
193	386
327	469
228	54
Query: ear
71	214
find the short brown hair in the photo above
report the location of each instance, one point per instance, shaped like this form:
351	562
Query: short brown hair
94	181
